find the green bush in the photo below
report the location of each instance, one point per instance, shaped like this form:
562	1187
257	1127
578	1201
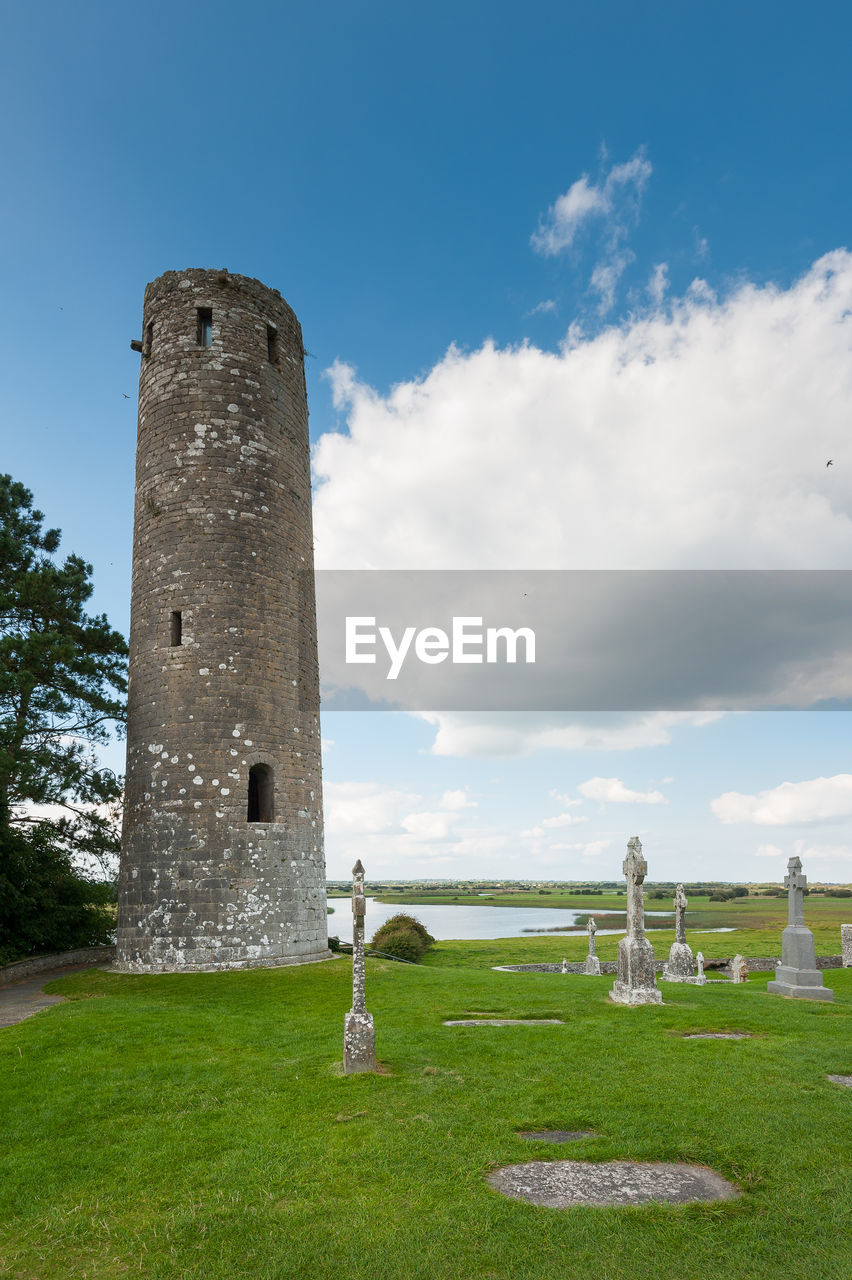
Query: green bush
404	937
45	903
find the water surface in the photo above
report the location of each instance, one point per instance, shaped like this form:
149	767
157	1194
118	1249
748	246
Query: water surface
446	921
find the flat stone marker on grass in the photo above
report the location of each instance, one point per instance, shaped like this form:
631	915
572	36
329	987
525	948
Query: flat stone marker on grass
637	978
593	964
505	1022
567	1184
556	1135
359	1037
845	1080
718	1035
797	974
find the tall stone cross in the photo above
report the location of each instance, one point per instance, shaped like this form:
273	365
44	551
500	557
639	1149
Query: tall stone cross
795	883
593	964
635	869
359	1038
797	975
680	904
359	910
637	977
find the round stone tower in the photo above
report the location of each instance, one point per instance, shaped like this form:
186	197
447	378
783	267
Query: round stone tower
222	853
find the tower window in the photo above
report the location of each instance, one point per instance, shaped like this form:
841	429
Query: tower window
148	344
272	343
176	628
260	793
204	332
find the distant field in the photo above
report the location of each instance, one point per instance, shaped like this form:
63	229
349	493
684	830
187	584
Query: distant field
824	915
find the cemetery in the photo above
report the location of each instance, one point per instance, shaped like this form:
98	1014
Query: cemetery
230	1123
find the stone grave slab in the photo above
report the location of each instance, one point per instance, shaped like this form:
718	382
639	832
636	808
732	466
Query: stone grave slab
505	1022
568	1184
556	1135
718	1035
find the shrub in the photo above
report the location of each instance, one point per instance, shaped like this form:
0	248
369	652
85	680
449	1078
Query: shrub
719	896
334	943
404	937
839	893
45	904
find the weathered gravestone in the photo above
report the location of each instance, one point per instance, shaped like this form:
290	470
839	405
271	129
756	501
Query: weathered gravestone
797	974
846	945
739	969
678	968
359	1038
699	960
637	979
593	964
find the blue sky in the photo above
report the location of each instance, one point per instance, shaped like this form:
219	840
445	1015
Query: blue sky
423	181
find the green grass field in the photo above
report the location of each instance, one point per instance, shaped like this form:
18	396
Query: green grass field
199	1126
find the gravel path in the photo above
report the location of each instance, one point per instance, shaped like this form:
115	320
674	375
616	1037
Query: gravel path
22	999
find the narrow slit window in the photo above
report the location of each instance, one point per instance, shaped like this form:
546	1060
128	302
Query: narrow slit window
176	628
260	793
149	338
204	334
272	343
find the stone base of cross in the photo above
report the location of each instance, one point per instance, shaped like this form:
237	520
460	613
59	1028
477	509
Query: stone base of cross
637	976
359	1043
680	966
797	975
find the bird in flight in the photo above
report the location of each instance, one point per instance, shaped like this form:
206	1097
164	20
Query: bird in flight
830	462
126	396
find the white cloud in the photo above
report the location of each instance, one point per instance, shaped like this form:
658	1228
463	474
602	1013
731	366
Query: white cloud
511	733
563	820
427	826
547	307
606	275
659	283
457	800
812	854
614	199
594	848
768	851
364	808
568	802
693	437
613	791
582	201
553	824
817	800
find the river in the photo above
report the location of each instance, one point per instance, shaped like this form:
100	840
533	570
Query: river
451	921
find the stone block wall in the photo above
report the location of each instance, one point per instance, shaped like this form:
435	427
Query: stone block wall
223	656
